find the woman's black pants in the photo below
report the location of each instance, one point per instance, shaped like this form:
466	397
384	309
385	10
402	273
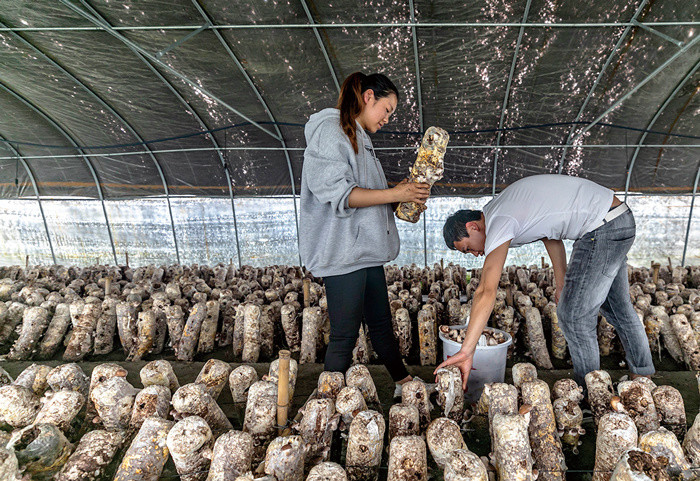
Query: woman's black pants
351	297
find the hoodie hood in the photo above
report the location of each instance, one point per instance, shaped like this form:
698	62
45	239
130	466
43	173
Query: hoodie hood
317	119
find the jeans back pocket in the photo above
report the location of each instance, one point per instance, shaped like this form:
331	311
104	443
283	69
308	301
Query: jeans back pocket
615	254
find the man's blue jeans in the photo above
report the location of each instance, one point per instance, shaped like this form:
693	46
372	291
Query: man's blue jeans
596	279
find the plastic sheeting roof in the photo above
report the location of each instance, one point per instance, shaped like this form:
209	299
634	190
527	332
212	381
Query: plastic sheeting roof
119	92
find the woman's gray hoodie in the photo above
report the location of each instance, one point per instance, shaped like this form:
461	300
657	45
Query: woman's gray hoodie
335	239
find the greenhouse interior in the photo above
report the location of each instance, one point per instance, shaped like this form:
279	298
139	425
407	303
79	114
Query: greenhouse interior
182	297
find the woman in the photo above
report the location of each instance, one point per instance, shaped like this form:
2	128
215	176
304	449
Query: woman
347	230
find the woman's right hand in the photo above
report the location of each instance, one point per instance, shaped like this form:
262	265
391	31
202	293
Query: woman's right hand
406	191
463	360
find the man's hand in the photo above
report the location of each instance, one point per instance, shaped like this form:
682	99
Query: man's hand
463	361
482	305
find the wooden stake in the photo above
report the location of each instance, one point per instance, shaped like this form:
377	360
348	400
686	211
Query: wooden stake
127	258
108	286
542	262
307	292
509	295
655	275
442	264
283	390
26	264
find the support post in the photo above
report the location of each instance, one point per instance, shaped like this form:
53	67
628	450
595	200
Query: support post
597	80
25	165
505	97
690	216
653	120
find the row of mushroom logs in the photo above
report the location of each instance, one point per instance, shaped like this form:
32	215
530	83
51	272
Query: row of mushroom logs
247	311
68	426
641	431
253	311
194	310
639	428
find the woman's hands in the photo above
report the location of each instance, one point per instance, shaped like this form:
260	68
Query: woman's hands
406	191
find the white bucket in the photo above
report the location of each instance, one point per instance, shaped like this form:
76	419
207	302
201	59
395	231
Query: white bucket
489	363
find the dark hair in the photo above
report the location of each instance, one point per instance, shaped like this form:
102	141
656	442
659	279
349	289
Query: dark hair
350	99
455	228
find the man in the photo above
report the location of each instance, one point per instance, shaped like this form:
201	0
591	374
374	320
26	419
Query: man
550	208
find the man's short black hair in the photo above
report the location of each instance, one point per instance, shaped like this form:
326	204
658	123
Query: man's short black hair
455	228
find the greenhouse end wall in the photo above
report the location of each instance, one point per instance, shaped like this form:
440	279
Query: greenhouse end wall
205	229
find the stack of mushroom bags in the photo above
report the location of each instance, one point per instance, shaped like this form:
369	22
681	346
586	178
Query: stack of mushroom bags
68	426
641	430
84	313
63	425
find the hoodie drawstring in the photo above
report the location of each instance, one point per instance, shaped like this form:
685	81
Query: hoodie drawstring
376	164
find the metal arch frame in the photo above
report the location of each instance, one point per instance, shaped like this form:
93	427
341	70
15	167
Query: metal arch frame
419	98
107	28
21	159
279	137
126	124
653	120
320	43
182	77
419	92
390	149
668	38
196	116
597	80
507	95
72	141
653	74
690	216
358	25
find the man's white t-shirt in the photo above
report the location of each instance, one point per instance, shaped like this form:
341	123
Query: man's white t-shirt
544	206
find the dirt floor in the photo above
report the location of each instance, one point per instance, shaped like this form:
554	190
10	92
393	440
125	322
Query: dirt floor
476	436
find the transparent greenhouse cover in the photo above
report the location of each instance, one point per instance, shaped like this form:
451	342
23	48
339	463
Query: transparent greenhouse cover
168	129
206	232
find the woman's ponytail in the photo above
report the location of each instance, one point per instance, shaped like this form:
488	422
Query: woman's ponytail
350	105
350	102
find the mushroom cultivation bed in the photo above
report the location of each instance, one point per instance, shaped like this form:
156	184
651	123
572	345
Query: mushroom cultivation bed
120	390
247	314
135	410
